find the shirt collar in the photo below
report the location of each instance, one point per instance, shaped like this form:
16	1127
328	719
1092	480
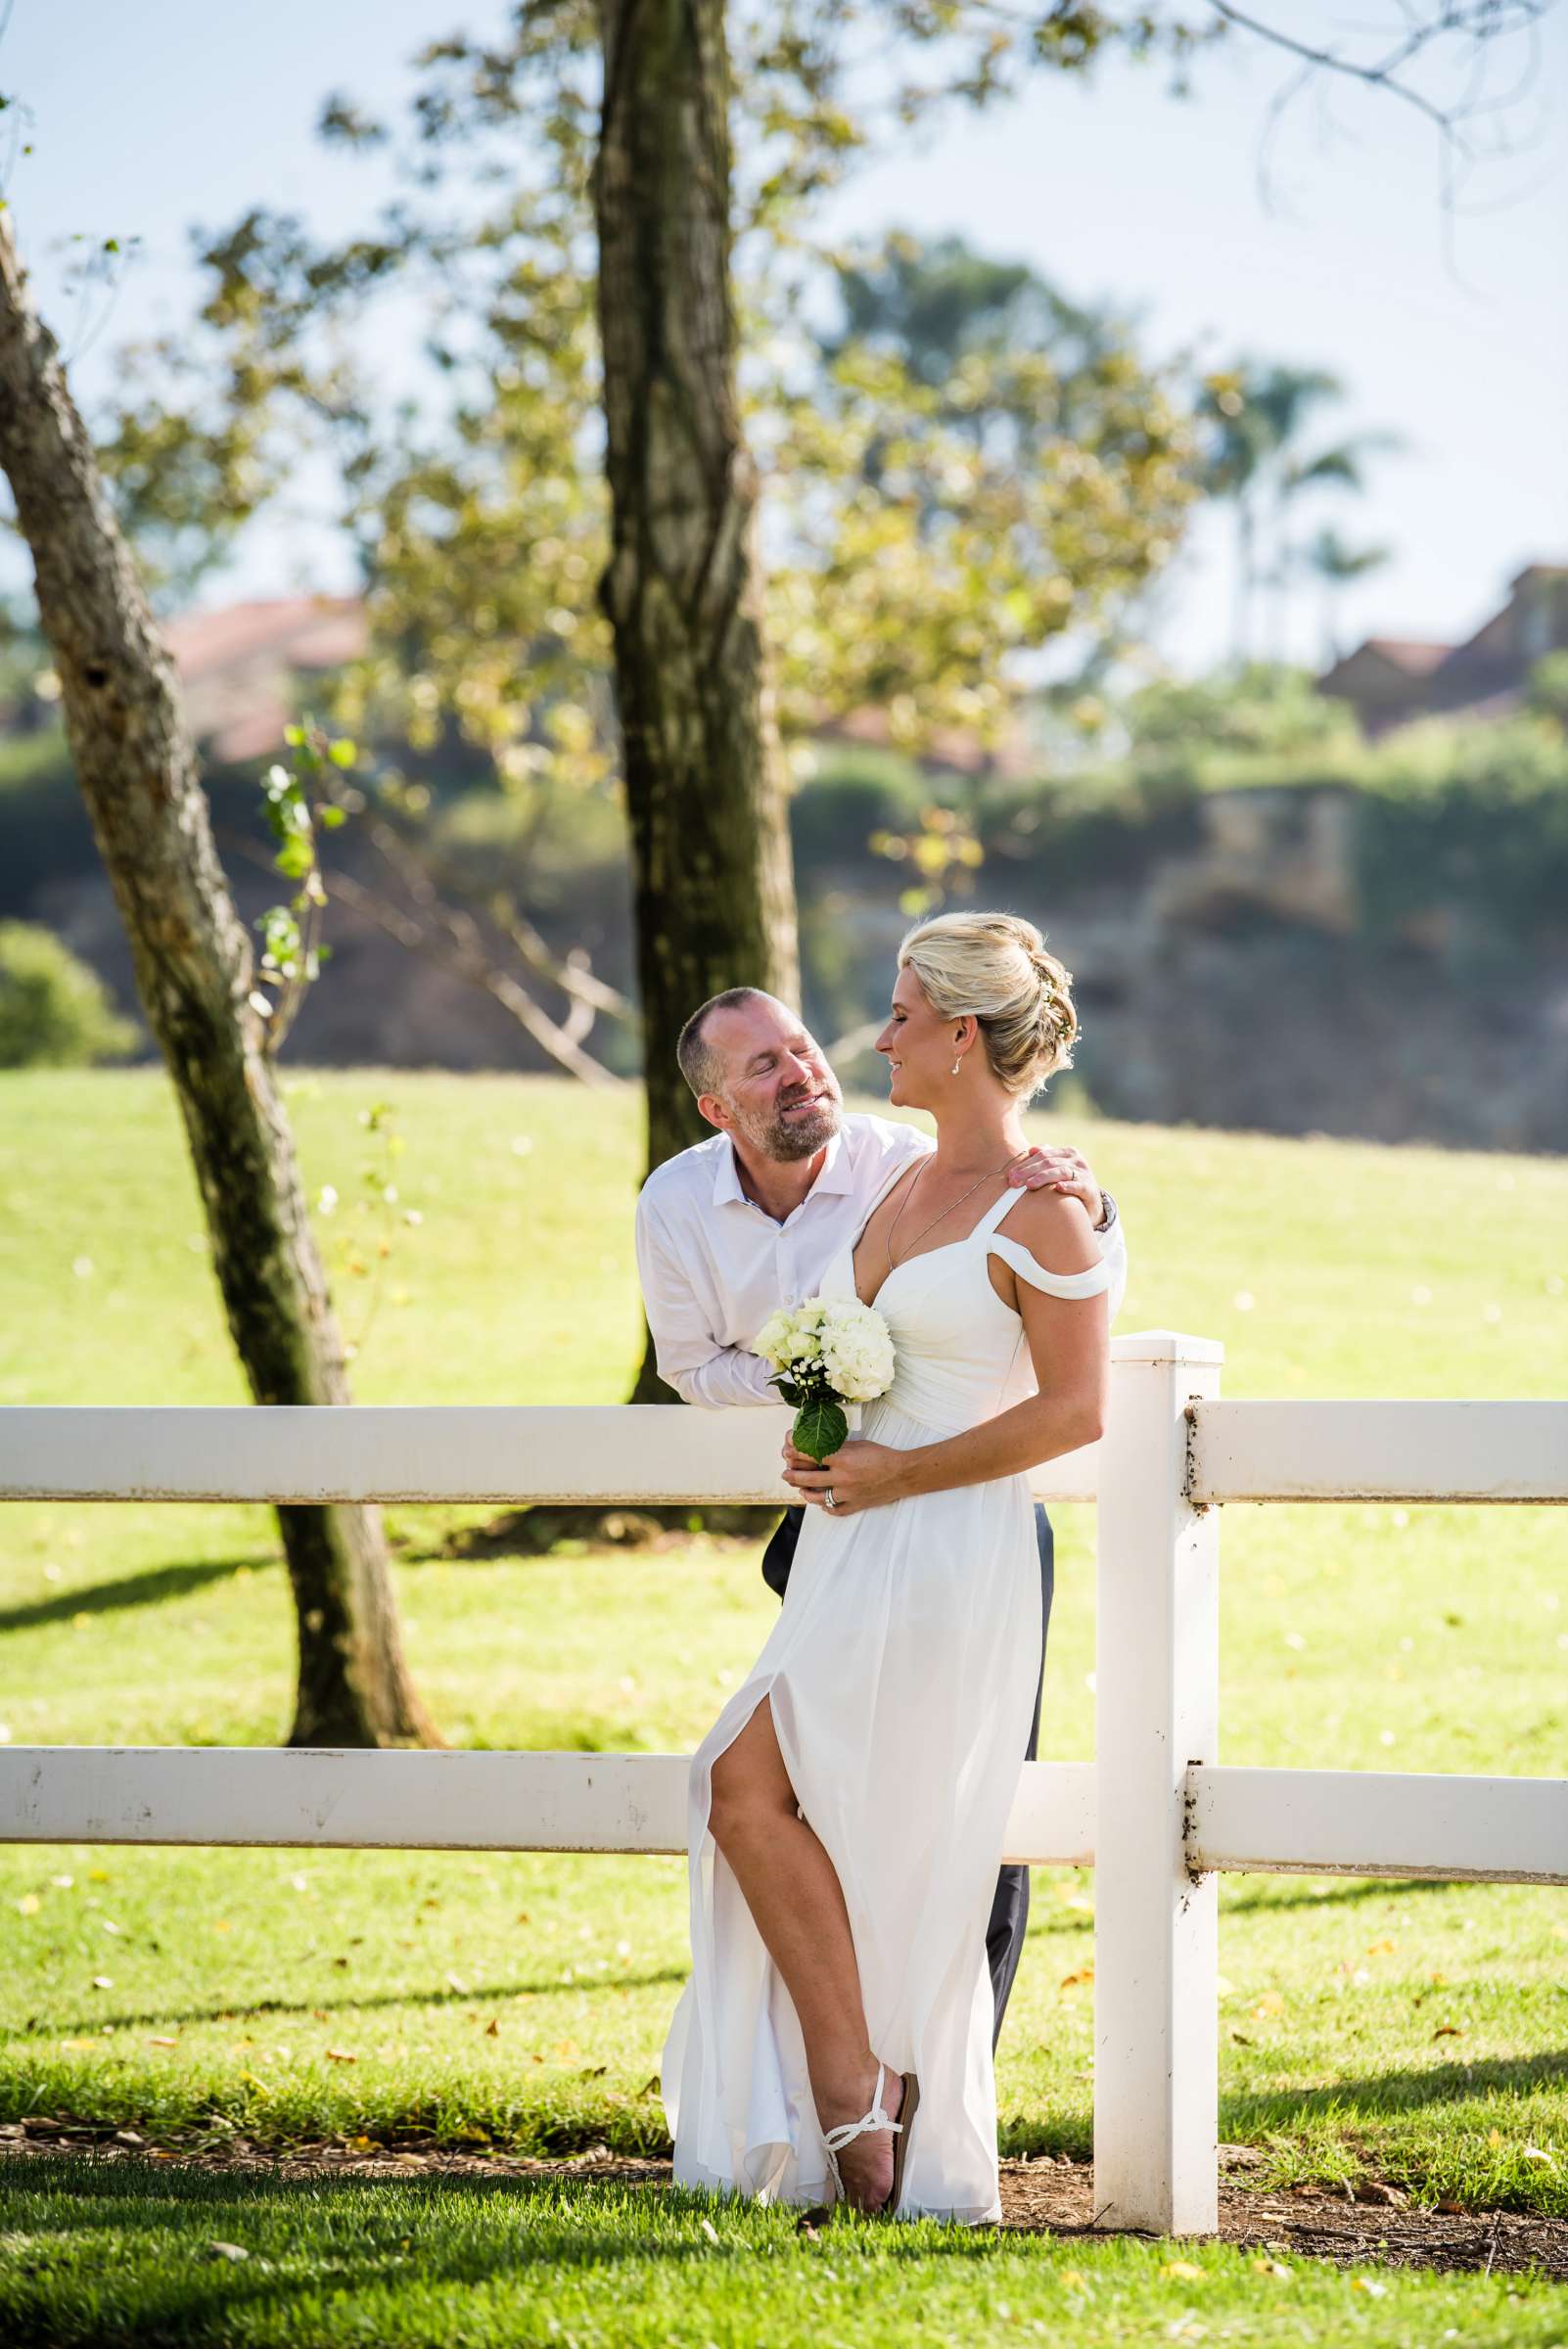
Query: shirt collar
837	1173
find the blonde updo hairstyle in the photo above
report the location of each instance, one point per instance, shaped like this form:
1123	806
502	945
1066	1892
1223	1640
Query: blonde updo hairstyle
996	967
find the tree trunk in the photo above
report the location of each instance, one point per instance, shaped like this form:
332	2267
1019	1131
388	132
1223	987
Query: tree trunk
712	879
137	768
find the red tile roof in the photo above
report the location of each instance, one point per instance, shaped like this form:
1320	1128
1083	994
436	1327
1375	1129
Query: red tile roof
1417	654
313	631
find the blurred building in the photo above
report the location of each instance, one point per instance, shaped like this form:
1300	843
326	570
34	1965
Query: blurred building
238	666
1390	679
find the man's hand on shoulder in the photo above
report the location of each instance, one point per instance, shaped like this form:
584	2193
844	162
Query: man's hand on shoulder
1059	1167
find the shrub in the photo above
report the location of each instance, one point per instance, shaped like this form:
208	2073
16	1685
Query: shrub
55	1012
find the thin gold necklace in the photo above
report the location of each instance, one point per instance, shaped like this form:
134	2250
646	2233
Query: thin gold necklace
988	1176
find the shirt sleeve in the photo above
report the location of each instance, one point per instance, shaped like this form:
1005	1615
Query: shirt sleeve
690	1358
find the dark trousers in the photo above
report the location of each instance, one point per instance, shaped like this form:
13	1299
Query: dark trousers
1009	1910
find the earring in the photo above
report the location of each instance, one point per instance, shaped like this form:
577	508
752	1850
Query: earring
955	1070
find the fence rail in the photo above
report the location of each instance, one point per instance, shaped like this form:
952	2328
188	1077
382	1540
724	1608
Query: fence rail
1156	1814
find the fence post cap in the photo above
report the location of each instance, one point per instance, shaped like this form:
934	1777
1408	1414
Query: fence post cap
1166	1346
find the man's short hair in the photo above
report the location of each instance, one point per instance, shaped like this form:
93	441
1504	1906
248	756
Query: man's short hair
700	1064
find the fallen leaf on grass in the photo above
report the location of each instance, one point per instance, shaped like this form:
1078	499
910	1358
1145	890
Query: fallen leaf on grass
567	2047
1273	2268
1448	2031
709	2228
229	2251
160	2039
1368	2284
1186	2268
339	2055
103	1981
492	2029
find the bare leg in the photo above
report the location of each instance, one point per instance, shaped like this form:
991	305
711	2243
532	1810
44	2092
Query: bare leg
792	1889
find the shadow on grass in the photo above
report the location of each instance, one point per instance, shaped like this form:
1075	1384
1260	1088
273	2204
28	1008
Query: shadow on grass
1350	1894
103	2244
149	1588
1235	1903
478	1994
1378	2095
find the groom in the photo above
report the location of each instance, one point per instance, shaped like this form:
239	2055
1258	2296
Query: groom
752	1219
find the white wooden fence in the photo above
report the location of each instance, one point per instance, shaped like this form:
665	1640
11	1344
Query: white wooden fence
1156	1814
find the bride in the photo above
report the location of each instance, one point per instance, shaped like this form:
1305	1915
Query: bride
847	1808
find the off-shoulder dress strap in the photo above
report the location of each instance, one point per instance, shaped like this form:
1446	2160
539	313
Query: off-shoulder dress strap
1088	1283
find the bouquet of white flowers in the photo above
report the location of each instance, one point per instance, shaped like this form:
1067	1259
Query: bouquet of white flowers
827	1351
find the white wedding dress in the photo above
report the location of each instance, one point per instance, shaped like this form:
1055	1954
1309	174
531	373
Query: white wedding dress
901	1672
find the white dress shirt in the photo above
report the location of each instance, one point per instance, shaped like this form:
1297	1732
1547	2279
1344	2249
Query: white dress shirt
714	1264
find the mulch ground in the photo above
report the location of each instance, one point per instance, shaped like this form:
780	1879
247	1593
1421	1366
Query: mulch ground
1040	2196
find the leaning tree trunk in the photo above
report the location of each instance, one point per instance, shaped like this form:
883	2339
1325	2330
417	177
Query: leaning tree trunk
137	767
712	883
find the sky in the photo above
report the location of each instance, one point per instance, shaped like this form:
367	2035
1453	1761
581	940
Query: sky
1323	243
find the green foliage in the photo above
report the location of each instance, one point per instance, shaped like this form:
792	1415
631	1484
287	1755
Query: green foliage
55	1012
1268	707
1547	694
298	803
928	528
820	1427
930	534
846	796
1472	821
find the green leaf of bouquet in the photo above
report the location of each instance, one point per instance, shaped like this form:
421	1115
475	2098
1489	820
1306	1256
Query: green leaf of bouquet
820	1429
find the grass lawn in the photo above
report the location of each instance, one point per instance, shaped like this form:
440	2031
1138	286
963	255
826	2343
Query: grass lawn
1417	2032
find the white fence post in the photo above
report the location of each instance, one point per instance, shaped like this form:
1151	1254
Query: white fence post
1157	1704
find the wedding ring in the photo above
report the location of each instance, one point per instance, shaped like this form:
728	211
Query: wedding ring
829	1500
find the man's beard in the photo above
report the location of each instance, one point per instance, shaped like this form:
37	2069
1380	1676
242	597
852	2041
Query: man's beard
788	1139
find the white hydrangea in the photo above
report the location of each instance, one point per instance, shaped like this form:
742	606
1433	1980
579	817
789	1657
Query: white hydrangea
846	1341
858	1351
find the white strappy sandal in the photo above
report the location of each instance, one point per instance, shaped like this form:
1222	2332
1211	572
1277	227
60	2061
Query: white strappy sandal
877	2118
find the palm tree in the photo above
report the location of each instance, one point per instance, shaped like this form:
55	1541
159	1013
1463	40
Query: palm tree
1239	450
1258	413
1334	564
